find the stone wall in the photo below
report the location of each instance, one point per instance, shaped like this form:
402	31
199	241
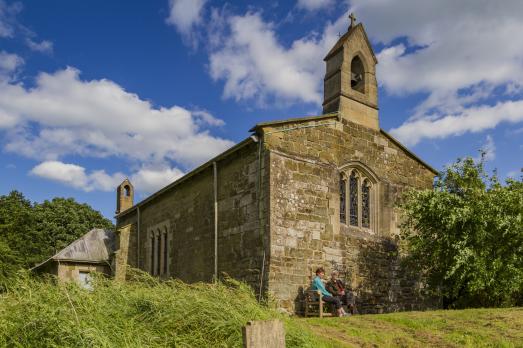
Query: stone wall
187	211
69	271
304	213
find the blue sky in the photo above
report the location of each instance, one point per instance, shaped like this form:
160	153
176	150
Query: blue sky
93	91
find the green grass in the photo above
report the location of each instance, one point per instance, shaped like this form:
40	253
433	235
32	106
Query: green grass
146	313
138	313
499	327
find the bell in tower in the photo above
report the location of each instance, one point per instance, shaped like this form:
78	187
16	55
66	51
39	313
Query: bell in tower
124	196
350	86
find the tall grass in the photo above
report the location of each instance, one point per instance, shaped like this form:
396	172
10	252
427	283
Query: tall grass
142	312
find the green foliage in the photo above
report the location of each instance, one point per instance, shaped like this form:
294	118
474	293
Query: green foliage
142	312
61	221
30	233
466	237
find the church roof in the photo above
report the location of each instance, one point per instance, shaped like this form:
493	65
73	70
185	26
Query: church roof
341	41
96	246
294	120
335	115
249	141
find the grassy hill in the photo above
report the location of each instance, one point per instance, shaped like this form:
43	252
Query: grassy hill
499	327
146	313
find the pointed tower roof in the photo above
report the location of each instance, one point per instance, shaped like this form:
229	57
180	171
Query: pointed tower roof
344	38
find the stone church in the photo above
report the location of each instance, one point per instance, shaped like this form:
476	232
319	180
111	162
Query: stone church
296	194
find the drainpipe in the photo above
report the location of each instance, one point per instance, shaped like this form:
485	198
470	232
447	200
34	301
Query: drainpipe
215	187
138	237
259	140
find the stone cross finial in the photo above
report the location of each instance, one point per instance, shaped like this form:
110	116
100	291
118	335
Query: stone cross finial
352	18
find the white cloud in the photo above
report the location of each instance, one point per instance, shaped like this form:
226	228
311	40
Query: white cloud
150	180
473	119
43	47
457	52
488	150
255	65
146	180
185	15
70	174
9	64
8	18
313	5
64	115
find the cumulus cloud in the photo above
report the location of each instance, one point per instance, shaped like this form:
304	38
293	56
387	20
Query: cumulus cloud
10	27
150	180
252	62
147	180
69	174
184	15
9	64
64	115
313	5
457	53
44	46
473	119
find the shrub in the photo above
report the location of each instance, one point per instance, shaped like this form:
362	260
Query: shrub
466	237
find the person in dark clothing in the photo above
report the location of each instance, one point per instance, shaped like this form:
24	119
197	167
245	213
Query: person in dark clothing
337	288
317	284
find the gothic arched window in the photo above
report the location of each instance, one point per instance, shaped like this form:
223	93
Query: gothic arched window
158	251
358	198
152	254
343	199
357	75
353	199
165	251
365	204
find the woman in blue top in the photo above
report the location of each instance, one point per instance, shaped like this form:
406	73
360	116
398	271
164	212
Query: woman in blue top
317	284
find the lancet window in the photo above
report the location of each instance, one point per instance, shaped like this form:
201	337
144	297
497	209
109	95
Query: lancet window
343	199
358	199
353	199
159	250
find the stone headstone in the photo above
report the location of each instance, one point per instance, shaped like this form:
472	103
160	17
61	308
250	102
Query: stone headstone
263	334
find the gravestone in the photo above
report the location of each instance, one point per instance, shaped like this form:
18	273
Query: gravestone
263	334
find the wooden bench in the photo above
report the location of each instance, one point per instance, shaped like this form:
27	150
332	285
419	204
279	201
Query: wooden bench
315	306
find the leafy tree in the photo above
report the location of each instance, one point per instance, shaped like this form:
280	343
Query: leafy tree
17	234
31	233
466	236
61	221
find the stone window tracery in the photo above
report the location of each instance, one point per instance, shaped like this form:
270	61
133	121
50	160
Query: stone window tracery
365	204
353	199
358	198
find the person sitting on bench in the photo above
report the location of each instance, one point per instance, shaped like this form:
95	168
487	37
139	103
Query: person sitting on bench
338	289
317	284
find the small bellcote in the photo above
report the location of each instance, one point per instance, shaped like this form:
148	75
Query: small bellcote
350	85
124	196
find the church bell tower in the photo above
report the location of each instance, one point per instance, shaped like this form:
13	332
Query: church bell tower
350	85
124	196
